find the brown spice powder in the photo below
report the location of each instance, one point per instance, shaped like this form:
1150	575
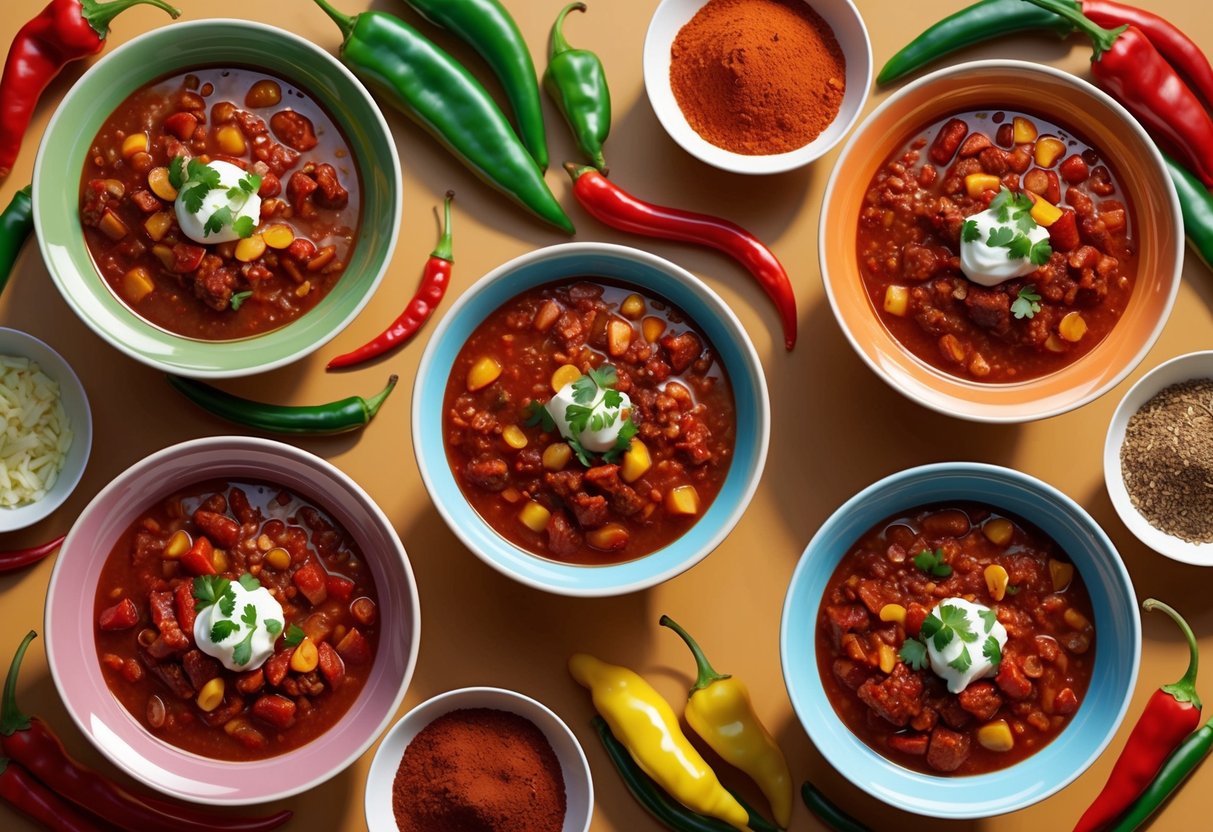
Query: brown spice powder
1167	460
758	77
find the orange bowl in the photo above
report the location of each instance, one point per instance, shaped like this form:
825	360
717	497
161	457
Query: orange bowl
1051	94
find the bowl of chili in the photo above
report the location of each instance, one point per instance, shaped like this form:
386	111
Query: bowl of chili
216	512
572	517
952	527
1046	340
291	123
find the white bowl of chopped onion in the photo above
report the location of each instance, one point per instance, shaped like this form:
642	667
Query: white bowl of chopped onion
46	430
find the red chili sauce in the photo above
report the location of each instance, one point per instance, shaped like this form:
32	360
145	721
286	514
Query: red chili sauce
909	247
878	598
309	211
145	611
528	484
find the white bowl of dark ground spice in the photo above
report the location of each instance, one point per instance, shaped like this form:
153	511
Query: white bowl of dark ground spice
1158	459
479	758
757	86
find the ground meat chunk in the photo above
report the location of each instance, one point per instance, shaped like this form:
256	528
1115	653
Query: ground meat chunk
299	190
682	349
1012	680
693	439
591	511
488	472
199	667
895	698
850	673
215	283
564	483
989	309
624	499
331	195
164	616
563	539
847	617
948	750
981	699
919	262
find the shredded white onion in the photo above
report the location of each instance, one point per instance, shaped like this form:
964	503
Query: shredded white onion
35	433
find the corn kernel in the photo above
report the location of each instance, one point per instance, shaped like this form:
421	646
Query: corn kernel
1024	130
1048	150
514	437
893	612
211	694
164	254
636	461
565	374
219	559
887	658
897	300
1061	574
978	183
1045	213
134	143
652	328
1074	619
998	530
996	736
1072	327
278	236
1055	344
250	248
632	307
230	140
137	284
556	456
158	224
996	581
610	538
233	725
534	516
303	288
278	558
619	336
157	180
483	372
178	544
306	657
682	499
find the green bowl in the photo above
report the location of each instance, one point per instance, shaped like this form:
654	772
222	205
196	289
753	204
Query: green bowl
176	48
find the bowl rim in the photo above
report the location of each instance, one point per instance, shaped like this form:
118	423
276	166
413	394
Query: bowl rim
70	386
655	74
840	758
949	403
419	417
1186	367
131	765
383	768
82	307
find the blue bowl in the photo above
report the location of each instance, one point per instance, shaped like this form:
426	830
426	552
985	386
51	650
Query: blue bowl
1117	642
652	275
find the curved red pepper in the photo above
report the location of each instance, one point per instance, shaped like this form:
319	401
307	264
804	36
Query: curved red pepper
433	286
610	204
31	743
64	31
18	558
24	793
1172	713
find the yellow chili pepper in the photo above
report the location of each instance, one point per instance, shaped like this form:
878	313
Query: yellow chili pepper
721	713
648	727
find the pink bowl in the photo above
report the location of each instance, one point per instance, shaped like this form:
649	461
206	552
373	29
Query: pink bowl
72	656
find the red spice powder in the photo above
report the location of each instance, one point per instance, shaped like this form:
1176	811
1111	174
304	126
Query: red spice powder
758	76
479	770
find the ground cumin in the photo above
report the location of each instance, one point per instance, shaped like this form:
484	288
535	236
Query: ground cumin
757	76
479	770
1167	460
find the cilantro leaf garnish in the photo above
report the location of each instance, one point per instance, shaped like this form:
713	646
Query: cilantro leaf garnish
227	603
626	431
1040	253
294	635
249	582
1020	247
594	388
932	563
176	172
1012	589
273	626
954	618
1026	303
1000	236
969	231
192	196
914	654
222	629
992	651
536	414
243	652
1015	212
221	217
990	617
583	456
238	299
585	390
962	662
999	204
243	226
208	589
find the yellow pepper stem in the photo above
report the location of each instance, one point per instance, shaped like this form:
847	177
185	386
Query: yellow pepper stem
706	673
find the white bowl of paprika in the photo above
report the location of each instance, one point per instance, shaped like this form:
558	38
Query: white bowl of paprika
757	86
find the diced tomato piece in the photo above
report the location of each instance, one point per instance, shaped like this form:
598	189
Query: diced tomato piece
276	710
340	587
184	601
1074	169
181	125
915	615
120	616
915	744
199	559
1063	233
354	648
331	665
187	257
277	666
310	579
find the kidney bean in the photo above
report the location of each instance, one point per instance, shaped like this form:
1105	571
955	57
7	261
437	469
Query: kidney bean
219	527
974	144
947	141
1073	169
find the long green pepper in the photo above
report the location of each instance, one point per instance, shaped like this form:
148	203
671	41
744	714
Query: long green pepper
825	811
576	82
1183	760
436	91
16	223
1196	204
489	28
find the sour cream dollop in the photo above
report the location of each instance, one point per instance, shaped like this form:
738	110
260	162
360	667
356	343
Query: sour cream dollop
193	224
594	441
990	265
262	642
985	628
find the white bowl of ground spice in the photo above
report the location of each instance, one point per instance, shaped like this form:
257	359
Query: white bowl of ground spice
757	86
1158	459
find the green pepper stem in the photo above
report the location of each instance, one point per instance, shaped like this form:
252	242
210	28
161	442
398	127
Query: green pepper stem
375	402
707	675
11	718
443	250
1185	689
559	44
100	15
1101	38
344	22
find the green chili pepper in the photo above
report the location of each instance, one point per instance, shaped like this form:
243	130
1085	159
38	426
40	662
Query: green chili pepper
660	805
577	83
16	223
1196	204
434	89
489	28
973	24
334	417
1183	760
827	812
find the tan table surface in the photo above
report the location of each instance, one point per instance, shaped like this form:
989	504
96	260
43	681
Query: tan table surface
836	427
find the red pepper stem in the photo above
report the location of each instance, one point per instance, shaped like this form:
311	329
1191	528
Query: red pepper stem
100	15
443	250
376	401
344	22
1185	689
559	42
11	719
707	674
1101	38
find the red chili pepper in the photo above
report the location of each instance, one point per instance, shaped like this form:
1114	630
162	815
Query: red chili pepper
29	742
18	558
610	204
1179	49
25	794
64	31
1172	713
1130	68
433	286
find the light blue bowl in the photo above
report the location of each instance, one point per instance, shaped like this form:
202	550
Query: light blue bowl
1117	642
651	275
